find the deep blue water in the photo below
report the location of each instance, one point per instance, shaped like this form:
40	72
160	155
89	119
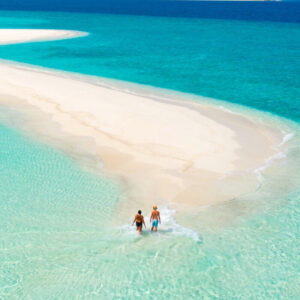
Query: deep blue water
252	63
263	11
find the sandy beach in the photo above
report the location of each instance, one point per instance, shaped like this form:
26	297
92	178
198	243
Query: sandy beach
178	152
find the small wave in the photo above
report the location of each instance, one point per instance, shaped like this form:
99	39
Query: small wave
169	223
258	171
287	137
168	228
279	155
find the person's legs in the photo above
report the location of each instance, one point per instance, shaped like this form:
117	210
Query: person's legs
154	225
139	229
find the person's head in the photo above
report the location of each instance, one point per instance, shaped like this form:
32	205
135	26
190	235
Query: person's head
154	207
139	212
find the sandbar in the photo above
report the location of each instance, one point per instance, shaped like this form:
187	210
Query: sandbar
14	36
187	154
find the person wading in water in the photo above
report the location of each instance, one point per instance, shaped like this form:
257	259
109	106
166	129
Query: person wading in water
155	217
139	221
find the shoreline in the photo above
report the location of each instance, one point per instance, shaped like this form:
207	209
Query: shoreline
165	147
153	168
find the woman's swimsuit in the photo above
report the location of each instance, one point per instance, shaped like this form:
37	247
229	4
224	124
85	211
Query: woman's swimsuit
139	224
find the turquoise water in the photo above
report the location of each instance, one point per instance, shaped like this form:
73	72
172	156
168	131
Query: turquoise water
57	236
250	63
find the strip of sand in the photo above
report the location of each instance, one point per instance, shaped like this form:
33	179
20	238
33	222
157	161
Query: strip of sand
14	36
176	152
184	153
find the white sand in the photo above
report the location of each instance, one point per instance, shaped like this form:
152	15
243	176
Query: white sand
184	153
14	36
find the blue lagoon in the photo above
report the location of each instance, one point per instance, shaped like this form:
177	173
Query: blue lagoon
197	115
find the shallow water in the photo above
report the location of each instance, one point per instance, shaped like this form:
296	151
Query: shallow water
57	241
59	238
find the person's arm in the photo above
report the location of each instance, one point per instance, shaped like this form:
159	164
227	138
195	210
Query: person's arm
134	220
144	222
159	217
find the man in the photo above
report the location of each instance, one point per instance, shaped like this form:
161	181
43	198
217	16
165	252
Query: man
155	217
139	221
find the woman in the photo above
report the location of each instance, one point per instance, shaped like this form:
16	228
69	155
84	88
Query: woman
139	221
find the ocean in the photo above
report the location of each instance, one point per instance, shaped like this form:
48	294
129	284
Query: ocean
57	237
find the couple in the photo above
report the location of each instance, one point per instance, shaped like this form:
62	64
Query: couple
139	220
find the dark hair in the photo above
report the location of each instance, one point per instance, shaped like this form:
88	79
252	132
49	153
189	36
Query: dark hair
140	212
